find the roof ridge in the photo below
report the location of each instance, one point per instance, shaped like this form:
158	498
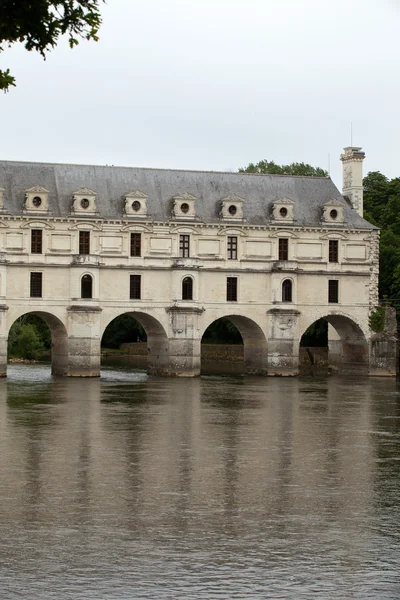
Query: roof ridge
30	162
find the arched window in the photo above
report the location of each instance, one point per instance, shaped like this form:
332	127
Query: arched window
86	286
287	291
187	289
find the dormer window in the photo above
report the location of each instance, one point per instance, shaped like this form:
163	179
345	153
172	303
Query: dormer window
84	202
232	208
184	206
333	212
36	199
282	210
136	204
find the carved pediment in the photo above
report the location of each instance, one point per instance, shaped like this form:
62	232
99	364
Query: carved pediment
85	191
136	194
184	196
37	189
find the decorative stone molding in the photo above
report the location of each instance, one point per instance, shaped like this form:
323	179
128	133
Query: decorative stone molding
232	208
332	212
136	204
283	210
373	259
36	200
84	202
183	206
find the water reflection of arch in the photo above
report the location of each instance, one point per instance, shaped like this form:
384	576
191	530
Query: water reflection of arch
351	347
157	338
255	346
59	336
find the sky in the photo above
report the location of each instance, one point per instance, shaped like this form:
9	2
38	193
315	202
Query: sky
213	85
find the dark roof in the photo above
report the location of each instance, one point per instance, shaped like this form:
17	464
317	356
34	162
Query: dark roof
110	183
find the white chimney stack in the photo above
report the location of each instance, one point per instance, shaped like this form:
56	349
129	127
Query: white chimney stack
352	160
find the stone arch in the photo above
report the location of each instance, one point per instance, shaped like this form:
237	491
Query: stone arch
59	339
348	345
255	351
157	340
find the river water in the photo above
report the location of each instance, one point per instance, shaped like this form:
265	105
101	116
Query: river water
213	488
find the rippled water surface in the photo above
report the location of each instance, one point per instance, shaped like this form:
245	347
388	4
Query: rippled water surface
136	487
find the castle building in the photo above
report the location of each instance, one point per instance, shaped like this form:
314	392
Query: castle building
81	245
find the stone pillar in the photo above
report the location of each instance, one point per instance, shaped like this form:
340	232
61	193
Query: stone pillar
84	340
283	343
157	354
3	340
383	347
185	343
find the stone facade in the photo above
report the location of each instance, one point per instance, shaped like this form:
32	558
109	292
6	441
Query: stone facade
81	245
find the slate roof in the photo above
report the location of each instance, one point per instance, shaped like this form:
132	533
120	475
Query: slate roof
111	184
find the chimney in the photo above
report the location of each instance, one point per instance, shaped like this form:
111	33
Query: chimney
352	160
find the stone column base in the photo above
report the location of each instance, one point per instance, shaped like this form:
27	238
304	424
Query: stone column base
383	356
83	357
184	358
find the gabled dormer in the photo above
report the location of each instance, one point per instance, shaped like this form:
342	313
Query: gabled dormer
232	208
36	200
183	206
136	204
333	212
84	202
283	210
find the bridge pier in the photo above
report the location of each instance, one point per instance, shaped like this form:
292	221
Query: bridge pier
185	345
283	344
84	341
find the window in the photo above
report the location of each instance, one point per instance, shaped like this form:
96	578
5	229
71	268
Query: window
232	247
86	286
135	285
333	290
84	242
231	289
136	244
283	249
187	288
36	241
184	246
287	291
333	251
36	285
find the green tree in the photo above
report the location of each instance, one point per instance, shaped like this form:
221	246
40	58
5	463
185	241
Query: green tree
39	23
122	330
271	168
222	331
24	342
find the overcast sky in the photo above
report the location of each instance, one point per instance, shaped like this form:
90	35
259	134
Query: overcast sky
213	85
